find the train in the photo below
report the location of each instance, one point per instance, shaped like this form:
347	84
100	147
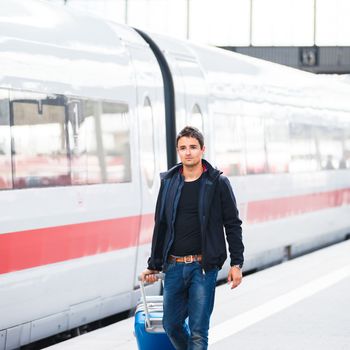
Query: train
89	111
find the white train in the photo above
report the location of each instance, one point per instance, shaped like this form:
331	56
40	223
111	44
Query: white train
88	114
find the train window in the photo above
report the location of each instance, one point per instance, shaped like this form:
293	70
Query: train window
304	156
229	144
255	145
196	118
330	144
77	127
277	145
147	143
106	128
5	142
345	160
115	126
39	140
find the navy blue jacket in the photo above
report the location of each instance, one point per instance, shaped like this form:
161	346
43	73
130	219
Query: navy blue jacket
217	209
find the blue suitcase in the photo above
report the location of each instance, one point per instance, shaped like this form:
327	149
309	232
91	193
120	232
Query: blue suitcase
149	331
151	336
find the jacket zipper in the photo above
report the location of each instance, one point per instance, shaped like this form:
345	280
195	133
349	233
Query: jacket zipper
177	198
204	220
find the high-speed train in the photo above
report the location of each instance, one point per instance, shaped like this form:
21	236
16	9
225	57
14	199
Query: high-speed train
89	110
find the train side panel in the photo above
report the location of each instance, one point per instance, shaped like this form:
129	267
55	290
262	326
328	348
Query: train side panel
66	240
286	153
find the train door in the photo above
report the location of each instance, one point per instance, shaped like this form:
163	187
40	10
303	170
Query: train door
179	92
190	91
195	95
189	85
151	144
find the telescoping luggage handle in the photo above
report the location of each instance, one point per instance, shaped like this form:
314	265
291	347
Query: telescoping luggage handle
143	295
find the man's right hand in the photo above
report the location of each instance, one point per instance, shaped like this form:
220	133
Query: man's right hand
149	276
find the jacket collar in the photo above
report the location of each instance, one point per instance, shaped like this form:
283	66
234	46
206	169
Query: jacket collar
212	172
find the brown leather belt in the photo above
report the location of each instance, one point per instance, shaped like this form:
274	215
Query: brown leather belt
185	259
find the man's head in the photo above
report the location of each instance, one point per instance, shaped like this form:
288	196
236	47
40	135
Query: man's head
191	131
190	146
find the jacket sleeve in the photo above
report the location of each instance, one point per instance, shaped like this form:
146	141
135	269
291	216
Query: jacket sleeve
155	261
232	222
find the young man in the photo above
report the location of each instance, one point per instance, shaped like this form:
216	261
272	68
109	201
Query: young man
195	203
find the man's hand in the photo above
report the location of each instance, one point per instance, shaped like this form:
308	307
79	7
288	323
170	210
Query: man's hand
149	276
234	276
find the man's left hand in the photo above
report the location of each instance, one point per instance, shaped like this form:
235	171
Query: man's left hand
234	276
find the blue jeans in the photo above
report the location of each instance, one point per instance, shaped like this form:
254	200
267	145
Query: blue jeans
188	292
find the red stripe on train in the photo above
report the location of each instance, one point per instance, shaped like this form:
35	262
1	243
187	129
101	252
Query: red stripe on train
26	249
277	208
31	248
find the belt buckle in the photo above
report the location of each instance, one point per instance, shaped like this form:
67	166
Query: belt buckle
188	259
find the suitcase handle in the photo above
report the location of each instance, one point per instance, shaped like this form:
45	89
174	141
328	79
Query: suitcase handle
159	275
143	295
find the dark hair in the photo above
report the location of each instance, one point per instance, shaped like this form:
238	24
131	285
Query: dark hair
191	131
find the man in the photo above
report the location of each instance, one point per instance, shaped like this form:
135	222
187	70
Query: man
195	203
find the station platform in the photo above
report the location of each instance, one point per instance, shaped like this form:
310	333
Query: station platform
301	304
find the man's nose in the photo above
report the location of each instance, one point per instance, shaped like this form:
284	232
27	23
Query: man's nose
188	150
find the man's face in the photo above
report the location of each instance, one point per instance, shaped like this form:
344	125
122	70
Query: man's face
189	151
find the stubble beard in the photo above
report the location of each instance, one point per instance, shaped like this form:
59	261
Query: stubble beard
193	165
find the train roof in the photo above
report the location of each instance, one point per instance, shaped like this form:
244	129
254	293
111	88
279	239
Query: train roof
41	21
47	47
236	76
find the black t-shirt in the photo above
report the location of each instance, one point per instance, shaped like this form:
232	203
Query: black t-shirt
187	239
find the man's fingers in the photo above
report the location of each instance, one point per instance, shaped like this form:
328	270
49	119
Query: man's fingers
233	285
151	278
236	282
